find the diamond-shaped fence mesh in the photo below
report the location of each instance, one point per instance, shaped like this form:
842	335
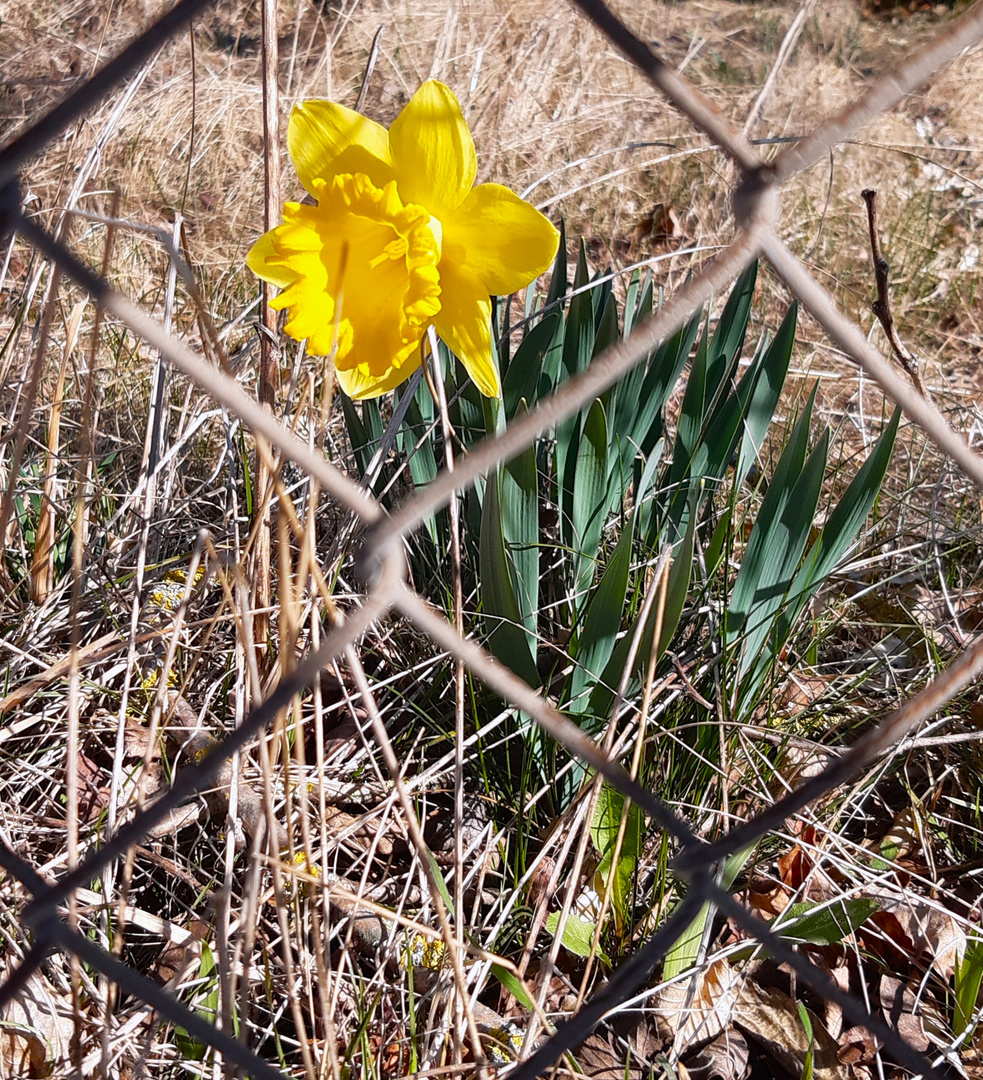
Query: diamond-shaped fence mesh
51	895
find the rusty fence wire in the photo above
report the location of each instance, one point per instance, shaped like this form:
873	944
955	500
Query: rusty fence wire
756	201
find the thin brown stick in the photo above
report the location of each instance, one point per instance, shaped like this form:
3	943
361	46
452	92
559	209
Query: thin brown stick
459	733
369	68
415	832
848	336
881	307
269	366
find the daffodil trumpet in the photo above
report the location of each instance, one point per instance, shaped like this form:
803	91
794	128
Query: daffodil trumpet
400	239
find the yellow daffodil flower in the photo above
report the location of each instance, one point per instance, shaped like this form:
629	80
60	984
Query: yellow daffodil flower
400	239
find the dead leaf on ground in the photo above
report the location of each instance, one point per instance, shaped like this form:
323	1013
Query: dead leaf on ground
921	929
605	1055
136	740
93	793
905	838
857	1046
899	1005
176	957
800	873
725	1058
802	691
659	226
698	1009
361	830
36	1030
772	1019
840	974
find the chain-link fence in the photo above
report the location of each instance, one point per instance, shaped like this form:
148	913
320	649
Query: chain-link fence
755	204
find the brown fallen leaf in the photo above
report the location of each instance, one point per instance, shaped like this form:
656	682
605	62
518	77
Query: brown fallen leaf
906	836
136	740
624	1053
921	929
840	974
857	1046
898	1004
36	1029
698	1009
361	829
801	875
94	791
659	226
772	1019
176	957
725	1058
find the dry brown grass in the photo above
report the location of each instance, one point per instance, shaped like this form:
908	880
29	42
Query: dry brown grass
553	111
552	108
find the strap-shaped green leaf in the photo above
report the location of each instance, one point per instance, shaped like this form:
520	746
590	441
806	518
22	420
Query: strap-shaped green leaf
677	589
589	494
651	384
520	527
766	391
840	530
618	876
592	646
415	440
578	345
506	636
777	542
522	380
728	339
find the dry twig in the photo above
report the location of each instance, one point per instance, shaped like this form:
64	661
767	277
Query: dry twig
881	307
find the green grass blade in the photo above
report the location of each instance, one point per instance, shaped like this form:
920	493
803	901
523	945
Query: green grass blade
806	1020
967	978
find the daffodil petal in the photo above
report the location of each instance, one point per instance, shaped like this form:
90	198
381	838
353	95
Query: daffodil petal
263	260
503	240
325	138
464	322
358	385
432	150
